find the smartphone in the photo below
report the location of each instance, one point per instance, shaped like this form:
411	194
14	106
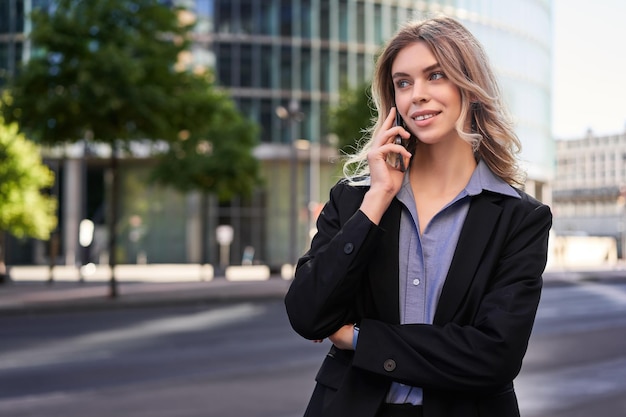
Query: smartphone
396	160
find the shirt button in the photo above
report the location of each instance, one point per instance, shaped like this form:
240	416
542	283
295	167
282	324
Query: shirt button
389	365
416	281
348	248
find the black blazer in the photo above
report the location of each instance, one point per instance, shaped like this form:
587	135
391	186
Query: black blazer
467	359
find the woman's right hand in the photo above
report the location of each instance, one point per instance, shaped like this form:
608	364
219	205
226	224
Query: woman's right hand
386	180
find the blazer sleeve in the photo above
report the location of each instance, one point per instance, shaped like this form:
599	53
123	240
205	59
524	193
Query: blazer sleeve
482	347
327	278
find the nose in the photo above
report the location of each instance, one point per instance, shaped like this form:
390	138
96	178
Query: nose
420	92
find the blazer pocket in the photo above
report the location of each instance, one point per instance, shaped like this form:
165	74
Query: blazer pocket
334	368
329	378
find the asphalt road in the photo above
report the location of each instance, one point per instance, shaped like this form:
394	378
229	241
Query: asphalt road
242	359
576	362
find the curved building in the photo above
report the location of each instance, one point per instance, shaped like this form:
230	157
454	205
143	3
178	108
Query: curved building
272	52
285	62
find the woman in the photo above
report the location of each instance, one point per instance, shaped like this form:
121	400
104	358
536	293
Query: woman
426	281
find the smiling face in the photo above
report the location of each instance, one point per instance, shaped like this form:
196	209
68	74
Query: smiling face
428	101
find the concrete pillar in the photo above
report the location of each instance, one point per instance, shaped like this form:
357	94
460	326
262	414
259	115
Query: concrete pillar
71	209
194	231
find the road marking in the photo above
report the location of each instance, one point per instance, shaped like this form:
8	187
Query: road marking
92	344
586	306
582	299
542	392
615	293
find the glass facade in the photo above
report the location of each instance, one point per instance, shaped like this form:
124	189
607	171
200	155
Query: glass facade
11	25
269	53
518	37
273	50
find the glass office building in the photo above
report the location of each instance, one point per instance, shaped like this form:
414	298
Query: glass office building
271	51
273	54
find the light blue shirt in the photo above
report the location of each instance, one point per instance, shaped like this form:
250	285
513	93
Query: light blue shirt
425	257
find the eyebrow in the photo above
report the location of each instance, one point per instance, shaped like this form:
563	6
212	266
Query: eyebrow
433	67
428	69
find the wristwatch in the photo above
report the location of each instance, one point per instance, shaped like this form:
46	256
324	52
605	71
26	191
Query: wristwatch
355	335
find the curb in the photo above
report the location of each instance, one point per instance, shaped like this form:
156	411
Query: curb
37	297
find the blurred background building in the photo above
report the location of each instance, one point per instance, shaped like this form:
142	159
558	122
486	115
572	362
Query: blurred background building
589	196
285	62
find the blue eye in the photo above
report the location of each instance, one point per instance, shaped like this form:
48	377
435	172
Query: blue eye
402	83
436	76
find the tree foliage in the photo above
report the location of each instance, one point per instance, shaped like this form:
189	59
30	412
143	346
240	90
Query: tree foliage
24	209
217	160
114	71
352	117
106	71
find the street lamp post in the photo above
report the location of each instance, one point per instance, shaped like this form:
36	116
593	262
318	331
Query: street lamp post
314	185
621	204
294	116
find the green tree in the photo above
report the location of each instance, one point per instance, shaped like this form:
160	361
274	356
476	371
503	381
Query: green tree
352	116
24	209
217	160
111	71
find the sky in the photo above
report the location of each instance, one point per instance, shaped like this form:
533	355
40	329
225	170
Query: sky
589	77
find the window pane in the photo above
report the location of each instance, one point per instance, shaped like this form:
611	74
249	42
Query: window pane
305	18
245	69
224	16
324	20
360	67
343	69
285	17
343	21
360	22
268	116
247	13
325	70
267	17
285	68
266	67
224	66
305	69
378	24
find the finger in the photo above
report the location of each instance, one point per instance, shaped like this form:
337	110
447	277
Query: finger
391	118
393	147
385	135
389	131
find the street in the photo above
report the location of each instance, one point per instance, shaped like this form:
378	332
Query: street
576	362
242	359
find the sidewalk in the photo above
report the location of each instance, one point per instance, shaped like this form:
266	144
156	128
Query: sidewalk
26	297
39	296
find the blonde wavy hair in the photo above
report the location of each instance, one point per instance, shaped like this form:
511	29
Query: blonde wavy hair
465	63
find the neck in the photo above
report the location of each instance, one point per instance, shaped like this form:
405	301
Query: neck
441	169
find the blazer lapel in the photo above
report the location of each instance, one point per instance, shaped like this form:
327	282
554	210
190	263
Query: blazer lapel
480	222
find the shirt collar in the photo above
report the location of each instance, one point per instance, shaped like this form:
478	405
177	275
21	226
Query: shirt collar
484	179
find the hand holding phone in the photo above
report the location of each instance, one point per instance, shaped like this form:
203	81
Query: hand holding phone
396	160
